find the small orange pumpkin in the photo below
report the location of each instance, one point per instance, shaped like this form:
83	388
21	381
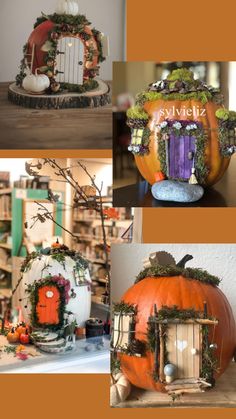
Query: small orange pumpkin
24	337
21	328
56	245
13	336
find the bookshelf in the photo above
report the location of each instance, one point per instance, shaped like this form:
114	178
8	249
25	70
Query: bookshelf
5	248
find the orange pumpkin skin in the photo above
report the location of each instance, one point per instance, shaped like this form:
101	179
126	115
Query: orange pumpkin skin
13	336
21	329
149	164
185	294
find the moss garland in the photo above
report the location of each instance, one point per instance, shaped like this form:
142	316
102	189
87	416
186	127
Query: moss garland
78	20
137	112
202	96
57	254
210	362
124	308
80	88
188	273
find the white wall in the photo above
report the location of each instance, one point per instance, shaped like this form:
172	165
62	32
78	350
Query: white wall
17	18
217	259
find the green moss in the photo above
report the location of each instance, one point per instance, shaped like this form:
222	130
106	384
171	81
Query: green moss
210	362
151	339
202	96
115	364
182	74
189	273
124	308
162	155
175	312
78	88
79	20
200	163
137	112
222	113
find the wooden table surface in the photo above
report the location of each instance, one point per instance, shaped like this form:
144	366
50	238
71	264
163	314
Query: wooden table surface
22	128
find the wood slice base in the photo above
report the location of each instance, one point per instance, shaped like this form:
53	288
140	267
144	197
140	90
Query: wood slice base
92	99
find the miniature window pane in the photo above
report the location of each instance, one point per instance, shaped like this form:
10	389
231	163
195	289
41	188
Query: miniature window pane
121	331
137	136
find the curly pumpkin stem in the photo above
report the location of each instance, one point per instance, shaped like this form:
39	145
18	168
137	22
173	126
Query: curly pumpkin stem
184	260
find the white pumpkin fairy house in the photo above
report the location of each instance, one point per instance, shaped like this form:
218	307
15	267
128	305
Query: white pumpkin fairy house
55	295
67	51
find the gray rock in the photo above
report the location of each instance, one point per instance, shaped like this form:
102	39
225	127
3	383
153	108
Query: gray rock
172	190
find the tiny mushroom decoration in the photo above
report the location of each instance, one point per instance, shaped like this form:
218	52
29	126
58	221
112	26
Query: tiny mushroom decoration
67	7
36	83
120	389
169	371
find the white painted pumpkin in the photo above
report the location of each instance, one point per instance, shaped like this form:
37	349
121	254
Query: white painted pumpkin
36	83
120	389
67	7
80	305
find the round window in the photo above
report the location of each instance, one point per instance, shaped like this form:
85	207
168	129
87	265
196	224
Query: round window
49	294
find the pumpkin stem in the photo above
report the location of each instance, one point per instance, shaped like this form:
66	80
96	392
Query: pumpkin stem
184	260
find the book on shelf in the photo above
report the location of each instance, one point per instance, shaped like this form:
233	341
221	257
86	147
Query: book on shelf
5	207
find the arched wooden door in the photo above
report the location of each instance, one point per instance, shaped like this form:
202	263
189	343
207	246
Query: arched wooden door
181	156
48	305
70	60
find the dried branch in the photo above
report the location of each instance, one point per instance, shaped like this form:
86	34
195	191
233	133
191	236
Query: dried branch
48	215
80	199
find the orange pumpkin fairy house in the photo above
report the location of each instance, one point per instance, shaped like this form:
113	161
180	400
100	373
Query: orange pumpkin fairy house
174	329
180	130
62	56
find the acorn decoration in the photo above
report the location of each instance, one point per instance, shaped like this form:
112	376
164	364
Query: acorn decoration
55	87
50	63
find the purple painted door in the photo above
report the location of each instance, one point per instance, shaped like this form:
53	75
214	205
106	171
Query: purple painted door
180	165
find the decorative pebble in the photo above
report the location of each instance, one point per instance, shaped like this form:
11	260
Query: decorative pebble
171	190
88	348
99	346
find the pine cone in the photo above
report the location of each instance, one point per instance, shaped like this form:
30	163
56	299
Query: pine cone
137	123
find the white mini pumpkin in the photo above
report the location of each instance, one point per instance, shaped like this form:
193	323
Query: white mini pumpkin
120	389
36	83
80	301
67	7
